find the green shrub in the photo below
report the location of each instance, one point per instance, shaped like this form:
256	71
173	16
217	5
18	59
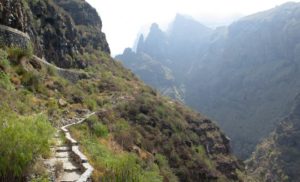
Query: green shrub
205	159
4	63
118	167
165	169
92	120
51	71
33	82
125	170
90	103
52	107
22	140
17	53
121	125
100	130
5	81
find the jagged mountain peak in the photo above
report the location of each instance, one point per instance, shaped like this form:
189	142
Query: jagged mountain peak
140	44
186	22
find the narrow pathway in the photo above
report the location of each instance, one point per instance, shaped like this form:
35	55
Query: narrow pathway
68	164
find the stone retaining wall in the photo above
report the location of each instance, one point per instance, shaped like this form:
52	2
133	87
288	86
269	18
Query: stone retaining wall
77	155
69	74
13	38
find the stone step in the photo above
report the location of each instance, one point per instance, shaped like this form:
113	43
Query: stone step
81	156
70	139
69	165
70	176
62	155
63	149
59	143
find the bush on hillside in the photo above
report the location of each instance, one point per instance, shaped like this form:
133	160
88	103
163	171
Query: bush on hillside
22	141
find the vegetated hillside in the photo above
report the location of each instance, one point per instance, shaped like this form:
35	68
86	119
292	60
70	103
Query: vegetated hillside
277	158
137	133
245	76
152	72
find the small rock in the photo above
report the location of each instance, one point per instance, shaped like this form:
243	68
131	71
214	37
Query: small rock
62	103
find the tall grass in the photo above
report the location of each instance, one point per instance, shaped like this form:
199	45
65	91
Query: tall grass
22	141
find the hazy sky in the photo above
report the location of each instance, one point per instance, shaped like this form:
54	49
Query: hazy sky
124	19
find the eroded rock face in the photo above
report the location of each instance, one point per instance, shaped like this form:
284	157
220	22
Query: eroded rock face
12	14
81	12
85	15
60	30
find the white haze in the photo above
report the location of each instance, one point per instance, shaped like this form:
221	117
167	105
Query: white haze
124	19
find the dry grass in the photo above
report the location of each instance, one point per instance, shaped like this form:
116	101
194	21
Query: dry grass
58	168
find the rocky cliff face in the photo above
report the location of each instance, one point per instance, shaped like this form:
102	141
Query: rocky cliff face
61	31
12	14
277	158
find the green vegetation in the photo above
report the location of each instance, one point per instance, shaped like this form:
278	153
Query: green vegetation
5	81
204	157
100	130
110	164
22	141
17	53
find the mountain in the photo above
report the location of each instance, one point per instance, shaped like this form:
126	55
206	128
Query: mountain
55	66
171	52
277	158
152	72
244	75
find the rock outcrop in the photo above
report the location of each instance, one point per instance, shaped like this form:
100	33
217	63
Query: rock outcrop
14	38
55	29
13	15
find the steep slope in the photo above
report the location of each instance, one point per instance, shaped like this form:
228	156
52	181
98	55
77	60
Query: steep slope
277	158
152	72
251	80
244	75
137	134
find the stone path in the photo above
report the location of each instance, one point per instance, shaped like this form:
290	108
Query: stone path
68	164
72	75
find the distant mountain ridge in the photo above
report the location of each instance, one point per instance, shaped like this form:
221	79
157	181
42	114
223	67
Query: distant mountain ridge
245	75
160	47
